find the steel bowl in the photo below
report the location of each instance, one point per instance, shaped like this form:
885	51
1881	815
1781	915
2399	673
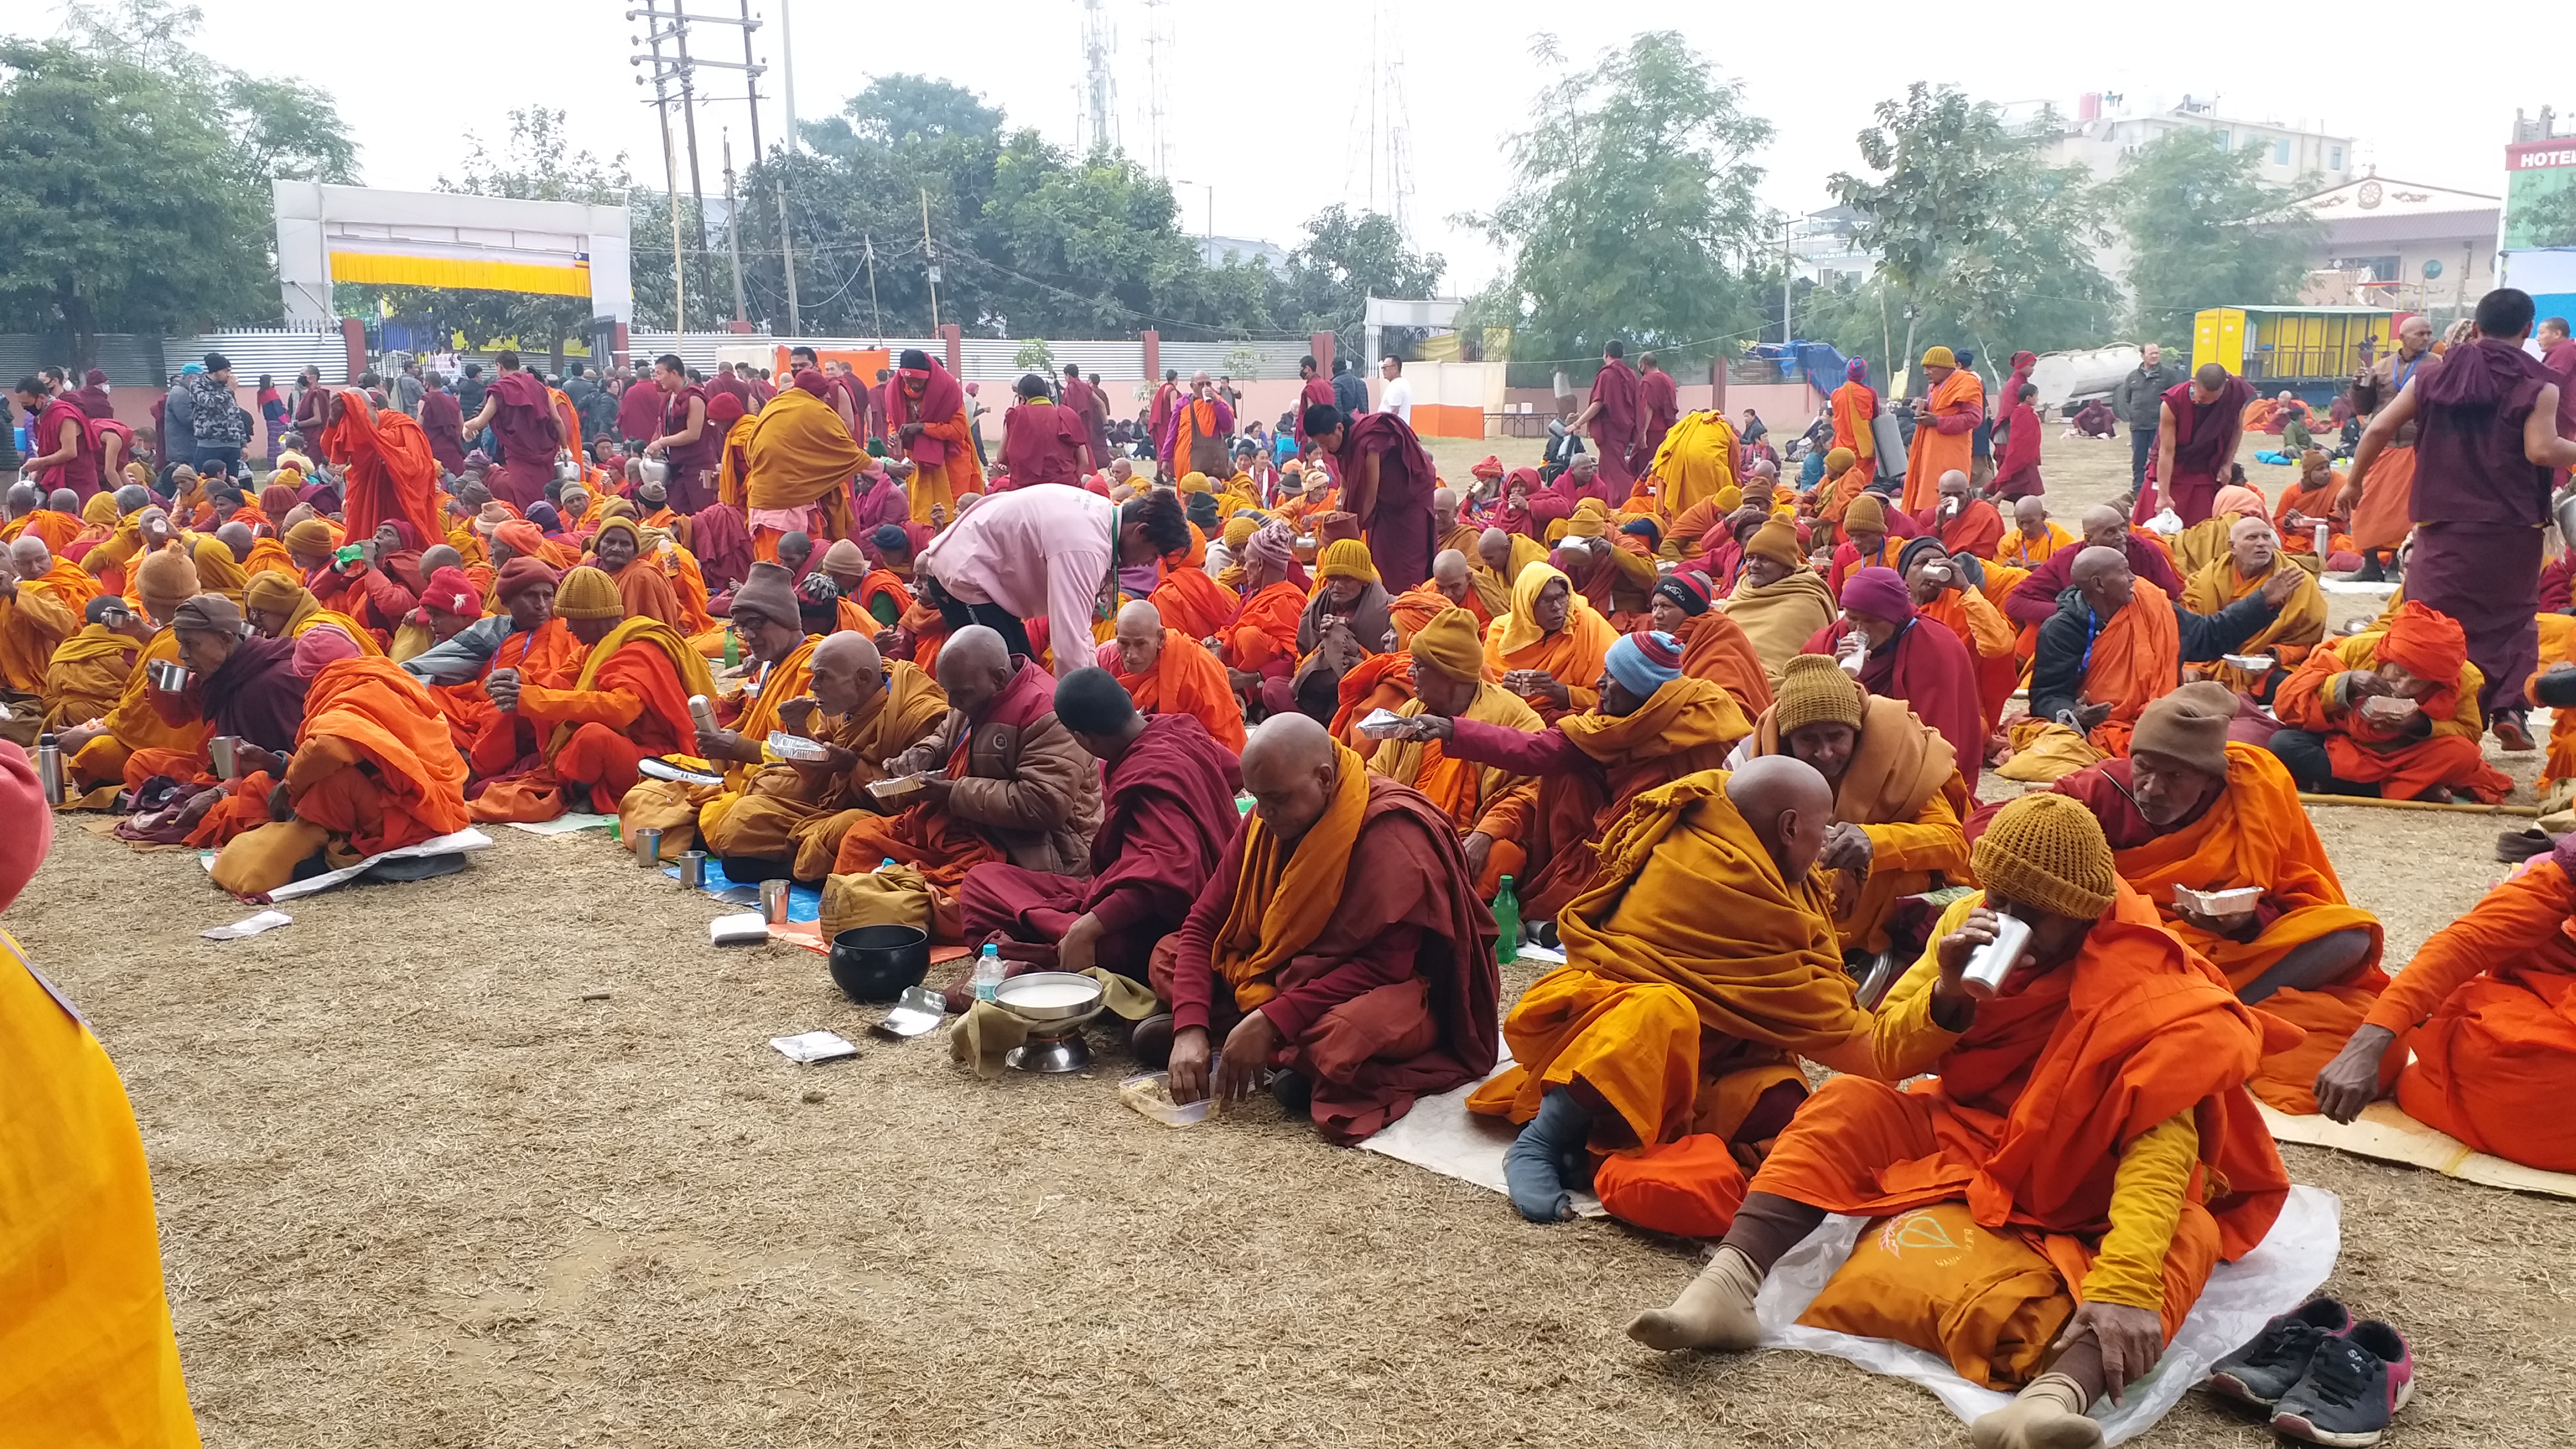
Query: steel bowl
879	963
1013	996
167	675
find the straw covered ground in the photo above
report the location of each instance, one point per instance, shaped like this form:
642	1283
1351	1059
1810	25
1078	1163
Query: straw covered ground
504	1159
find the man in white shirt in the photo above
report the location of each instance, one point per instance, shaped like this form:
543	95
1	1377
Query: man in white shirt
1397	396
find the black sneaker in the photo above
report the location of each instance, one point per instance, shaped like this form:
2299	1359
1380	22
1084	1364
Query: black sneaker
2356	1383
2262	1371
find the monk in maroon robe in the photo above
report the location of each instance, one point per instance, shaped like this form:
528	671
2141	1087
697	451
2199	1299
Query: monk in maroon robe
1387	481
1317	392
444	422
1659	402
1340	938
639	413
1613	416
1167	813
1042	441
2203	417
522	417
2486	451
1089	405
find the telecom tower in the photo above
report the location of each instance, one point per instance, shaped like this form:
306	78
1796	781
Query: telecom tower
1378	172
1099	89
1158	45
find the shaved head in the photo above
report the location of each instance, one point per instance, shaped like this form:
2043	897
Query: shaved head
973	666
2212	376
24	498
2104	577
1291	768
2105	526
238	538
1495	547
848	650
30	557
846	671
1139	637
1450	575
1788	803
63	500
2030	513
1954	483
439	556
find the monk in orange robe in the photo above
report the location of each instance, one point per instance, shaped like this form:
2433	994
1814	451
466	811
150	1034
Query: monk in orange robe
1338	937
1258	646
2314	497
2085	1131
770	624
1165	671
1487	804
1189	598
1899	800
1939	585
372	771
2118	643
629	703
1945	418
1452	586
2254	554
1651	726
41	602
88	672
1699	968
1001	779
2035	537
29	513
2392	713
391	472
1964	522
99	756
926	413
1550	647
539	649
2488	1007
644	592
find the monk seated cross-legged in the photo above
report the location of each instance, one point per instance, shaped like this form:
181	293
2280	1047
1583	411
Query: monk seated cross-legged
1338	942
2084	1132
2488	1007
2118	643
1652	726
863	710
1167	811
2253	556
629	702
89	670
1165	671
2392	713
1491	807
1698	970
1549	648
100	753
1777	600
372	770
1898	802
2191	808
1000	779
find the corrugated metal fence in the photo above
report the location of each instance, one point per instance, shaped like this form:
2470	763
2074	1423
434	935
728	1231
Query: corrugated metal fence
995	359
138	361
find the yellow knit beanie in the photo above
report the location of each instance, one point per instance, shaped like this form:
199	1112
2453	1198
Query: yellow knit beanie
1837	460
1346	558
1814	690
586	593
2048	851
1238	529
1451	644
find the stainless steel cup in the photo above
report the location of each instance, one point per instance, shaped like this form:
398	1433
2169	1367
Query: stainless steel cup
693	869
166	675
221	750
773	902
648	846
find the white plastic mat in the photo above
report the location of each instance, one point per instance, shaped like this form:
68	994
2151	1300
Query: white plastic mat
1440	1135
2241	1296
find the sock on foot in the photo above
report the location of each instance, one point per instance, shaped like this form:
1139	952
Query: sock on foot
1535	1167
2048	1414
1715	1311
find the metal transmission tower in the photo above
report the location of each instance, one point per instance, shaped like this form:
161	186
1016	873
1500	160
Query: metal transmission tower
1378	172
1158	44
1099	88
673	76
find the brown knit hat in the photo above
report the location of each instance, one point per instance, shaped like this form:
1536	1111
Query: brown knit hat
2048	851
1776	540
587	593
2189	724
208	614
1867	514
165	580
312	535
769	592
520	575
1814	690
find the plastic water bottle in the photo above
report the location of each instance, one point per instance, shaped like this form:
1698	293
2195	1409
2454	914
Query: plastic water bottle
887	864
733	648
1507	920
988	973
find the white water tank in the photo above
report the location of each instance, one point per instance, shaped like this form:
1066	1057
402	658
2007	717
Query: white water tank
2076	377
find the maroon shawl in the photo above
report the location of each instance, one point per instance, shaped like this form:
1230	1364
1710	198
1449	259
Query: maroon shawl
1926	666
942	401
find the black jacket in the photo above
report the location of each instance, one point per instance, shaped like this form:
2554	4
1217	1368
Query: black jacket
2142	393
2059	655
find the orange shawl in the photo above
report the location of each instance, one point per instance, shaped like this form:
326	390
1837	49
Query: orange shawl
1287	893
1192	602
1265	628
2137	660
1716	648
1188	680
371	705
391	472
1936	452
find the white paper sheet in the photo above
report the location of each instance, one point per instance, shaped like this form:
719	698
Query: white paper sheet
249	926
451	844
566	824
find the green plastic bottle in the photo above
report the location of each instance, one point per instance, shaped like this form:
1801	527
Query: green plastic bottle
733	648
1507	920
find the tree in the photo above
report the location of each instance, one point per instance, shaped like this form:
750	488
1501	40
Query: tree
1347	258
2547	220
123	207
2205	230
1631	212
1977	240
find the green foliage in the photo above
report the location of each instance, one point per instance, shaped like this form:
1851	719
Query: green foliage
1979	243
1035	356
1347	258
2548	218
2205	230
1631	213
136	198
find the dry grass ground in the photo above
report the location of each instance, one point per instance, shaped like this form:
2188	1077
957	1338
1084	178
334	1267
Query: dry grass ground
504	1159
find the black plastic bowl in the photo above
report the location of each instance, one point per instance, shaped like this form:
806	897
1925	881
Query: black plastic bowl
877	963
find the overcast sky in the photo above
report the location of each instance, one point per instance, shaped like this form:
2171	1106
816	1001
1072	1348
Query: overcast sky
1268	104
